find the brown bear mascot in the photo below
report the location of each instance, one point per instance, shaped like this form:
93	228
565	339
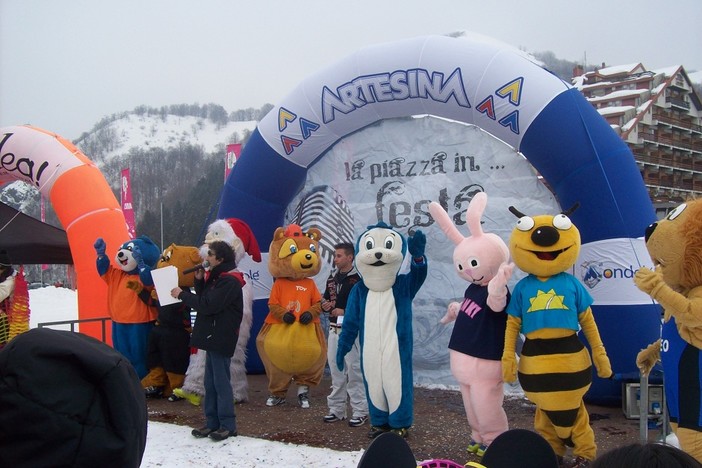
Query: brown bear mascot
291	342
675	246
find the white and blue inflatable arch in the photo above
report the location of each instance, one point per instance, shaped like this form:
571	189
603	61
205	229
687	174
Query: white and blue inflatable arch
499	90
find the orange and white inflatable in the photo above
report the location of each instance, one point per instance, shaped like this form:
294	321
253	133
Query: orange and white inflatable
81	197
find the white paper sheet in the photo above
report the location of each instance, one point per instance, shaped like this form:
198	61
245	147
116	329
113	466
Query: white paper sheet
165	279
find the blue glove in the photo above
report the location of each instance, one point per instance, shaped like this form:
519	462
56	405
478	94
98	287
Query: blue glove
306	317
339	361
136	255
100	246
416	244
289	318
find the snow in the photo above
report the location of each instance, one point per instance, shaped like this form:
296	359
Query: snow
155	131
695	77
174	446
614	110
618	94
617	69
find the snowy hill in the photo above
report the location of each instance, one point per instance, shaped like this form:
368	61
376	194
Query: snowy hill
147	131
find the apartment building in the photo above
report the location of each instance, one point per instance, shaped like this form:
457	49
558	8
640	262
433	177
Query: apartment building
659	115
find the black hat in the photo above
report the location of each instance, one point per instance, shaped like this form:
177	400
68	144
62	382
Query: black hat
5	258
67	399
509	448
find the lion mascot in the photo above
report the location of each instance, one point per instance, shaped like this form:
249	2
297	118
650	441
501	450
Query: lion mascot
379	311
675	246
132	320
478	336
549	306
168	353
239	236
291	342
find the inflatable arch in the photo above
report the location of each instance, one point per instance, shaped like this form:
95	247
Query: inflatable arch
82	199
501	91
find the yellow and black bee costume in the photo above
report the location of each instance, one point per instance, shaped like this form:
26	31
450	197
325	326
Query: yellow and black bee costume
549	306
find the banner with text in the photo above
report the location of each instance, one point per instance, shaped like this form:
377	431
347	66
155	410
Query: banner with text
127	207
390	172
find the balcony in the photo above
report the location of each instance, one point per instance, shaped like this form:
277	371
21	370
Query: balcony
677	102
671	142
679	123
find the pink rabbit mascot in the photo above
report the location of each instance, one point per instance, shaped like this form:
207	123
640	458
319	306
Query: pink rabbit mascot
478	337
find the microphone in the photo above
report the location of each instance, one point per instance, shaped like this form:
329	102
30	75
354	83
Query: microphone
204	265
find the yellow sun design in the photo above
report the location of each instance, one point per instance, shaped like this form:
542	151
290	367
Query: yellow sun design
546	301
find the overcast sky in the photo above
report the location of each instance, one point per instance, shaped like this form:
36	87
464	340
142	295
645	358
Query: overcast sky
65	64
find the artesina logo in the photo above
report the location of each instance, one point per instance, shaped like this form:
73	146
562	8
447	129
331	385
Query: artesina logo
396	86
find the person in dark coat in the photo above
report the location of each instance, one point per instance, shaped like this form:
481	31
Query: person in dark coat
218	300
67	399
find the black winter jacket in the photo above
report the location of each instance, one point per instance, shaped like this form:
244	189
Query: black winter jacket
220	308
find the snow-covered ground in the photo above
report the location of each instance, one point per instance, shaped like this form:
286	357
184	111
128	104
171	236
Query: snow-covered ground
169	445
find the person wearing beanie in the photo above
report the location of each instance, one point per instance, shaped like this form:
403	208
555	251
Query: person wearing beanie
67	399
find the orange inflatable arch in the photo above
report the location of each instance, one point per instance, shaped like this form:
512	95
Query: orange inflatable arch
82	199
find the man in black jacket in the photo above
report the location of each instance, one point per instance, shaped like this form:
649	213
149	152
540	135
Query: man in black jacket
347	384
218	300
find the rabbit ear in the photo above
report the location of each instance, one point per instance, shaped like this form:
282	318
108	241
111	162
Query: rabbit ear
442	219
475	212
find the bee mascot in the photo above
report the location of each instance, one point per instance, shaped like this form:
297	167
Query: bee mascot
478	336
132	320
379	308
549	306
675	246
291	342
239	236
169	342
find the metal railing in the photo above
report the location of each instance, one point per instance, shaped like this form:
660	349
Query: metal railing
73	323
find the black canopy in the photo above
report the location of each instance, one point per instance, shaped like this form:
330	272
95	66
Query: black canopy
29	241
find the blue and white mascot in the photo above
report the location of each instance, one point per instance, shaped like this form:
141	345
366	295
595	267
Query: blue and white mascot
379	308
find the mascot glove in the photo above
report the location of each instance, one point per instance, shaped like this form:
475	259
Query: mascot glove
451	313
100	246
648	357
289	318
604	369
416	244
497	288
509	358
138	258
135	286
306	317
648	280
509	367
341	352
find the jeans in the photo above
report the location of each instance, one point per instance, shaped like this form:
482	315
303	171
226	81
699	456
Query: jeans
219	398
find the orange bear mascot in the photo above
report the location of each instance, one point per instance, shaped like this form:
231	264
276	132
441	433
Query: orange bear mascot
291	342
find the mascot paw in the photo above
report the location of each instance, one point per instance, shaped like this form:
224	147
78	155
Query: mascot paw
509	369
416	244
451	313
289	318
100	246
648	357
340	363
134	286
497	285
604	368
646	279
306	317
